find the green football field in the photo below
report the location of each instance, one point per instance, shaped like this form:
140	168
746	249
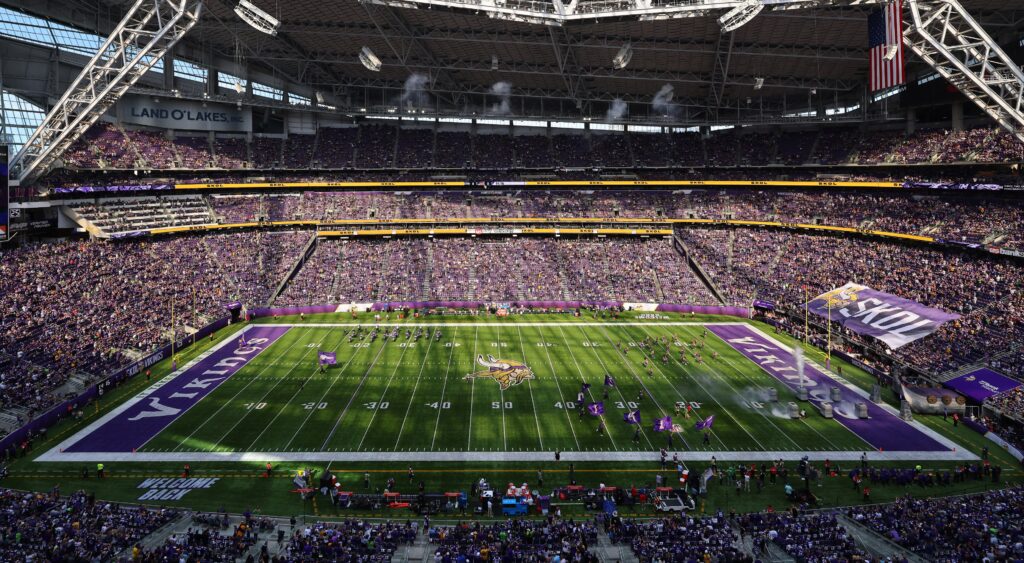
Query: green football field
395	395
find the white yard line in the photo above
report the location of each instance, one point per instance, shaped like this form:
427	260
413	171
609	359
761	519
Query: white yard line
235	396
472	389
554	375
430	342
864	394
529	385
625	401
579	370
423	456
95	425
739	422
492	324
444	386
268	392
501	395
352	397
387	386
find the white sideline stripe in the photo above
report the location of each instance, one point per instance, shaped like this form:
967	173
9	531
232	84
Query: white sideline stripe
92	427
449	325
425	456
864	394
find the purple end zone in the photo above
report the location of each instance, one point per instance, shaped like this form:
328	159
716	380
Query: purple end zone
150	414
882	430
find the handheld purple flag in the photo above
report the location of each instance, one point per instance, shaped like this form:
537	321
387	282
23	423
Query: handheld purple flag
663	424
632	417
586	387
608	381
596	409
328	358
706	423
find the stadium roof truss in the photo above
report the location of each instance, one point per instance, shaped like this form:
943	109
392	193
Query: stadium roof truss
792	58
148	30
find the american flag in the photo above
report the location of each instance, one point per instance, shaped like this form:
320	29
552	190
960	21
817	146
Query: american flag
885	29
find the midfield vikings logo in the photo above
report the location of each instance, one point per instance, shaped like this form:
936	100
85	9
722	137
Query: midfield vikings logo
505	372
839	298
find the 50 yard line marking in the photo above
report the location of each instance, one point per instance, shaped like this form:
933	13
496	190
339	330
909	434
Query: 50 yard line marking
501	395
430	342
529	385
444	386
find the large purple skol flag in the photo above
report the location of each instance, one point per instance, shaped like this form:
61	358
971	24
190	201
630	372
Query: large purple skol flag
891	319
596	409
663	424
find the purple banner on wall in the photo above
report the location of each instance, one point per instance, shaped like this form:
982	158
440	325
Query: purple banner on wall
981	384
882	429
705	310
891	319
137	421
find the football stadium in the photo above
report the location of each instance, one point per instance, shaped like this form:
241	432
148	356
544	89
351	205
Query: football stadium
511	280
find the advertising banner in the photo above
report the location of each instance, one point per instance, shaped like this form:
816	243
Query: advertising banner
891	319
981	384
187	115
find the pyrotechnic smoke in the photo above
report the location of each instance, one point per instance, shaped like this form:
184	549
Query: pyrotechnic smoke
503	91
617	110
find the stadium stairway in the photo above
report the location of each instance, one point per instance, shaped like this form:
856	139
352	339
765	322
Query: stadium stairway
696	268
875	544
607	551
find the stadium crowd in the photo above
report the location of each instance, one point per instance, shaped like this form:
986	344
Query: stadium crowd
49	527
984	527
515	540
806	537
680	538
494	270
92	307
786	267
374	146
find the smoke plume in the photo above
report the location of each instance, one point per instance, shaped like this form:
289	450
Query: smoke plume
414	93
662	102
503	91
617	110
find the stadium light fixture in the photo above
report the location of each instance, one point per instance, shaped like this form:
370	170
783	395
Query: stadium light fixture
623	57
494	62
740	15
890	52
257	18
369	59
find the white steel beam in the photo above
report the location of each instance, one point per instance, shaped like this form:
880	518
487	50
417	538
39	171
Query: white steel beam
952	42
147	32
